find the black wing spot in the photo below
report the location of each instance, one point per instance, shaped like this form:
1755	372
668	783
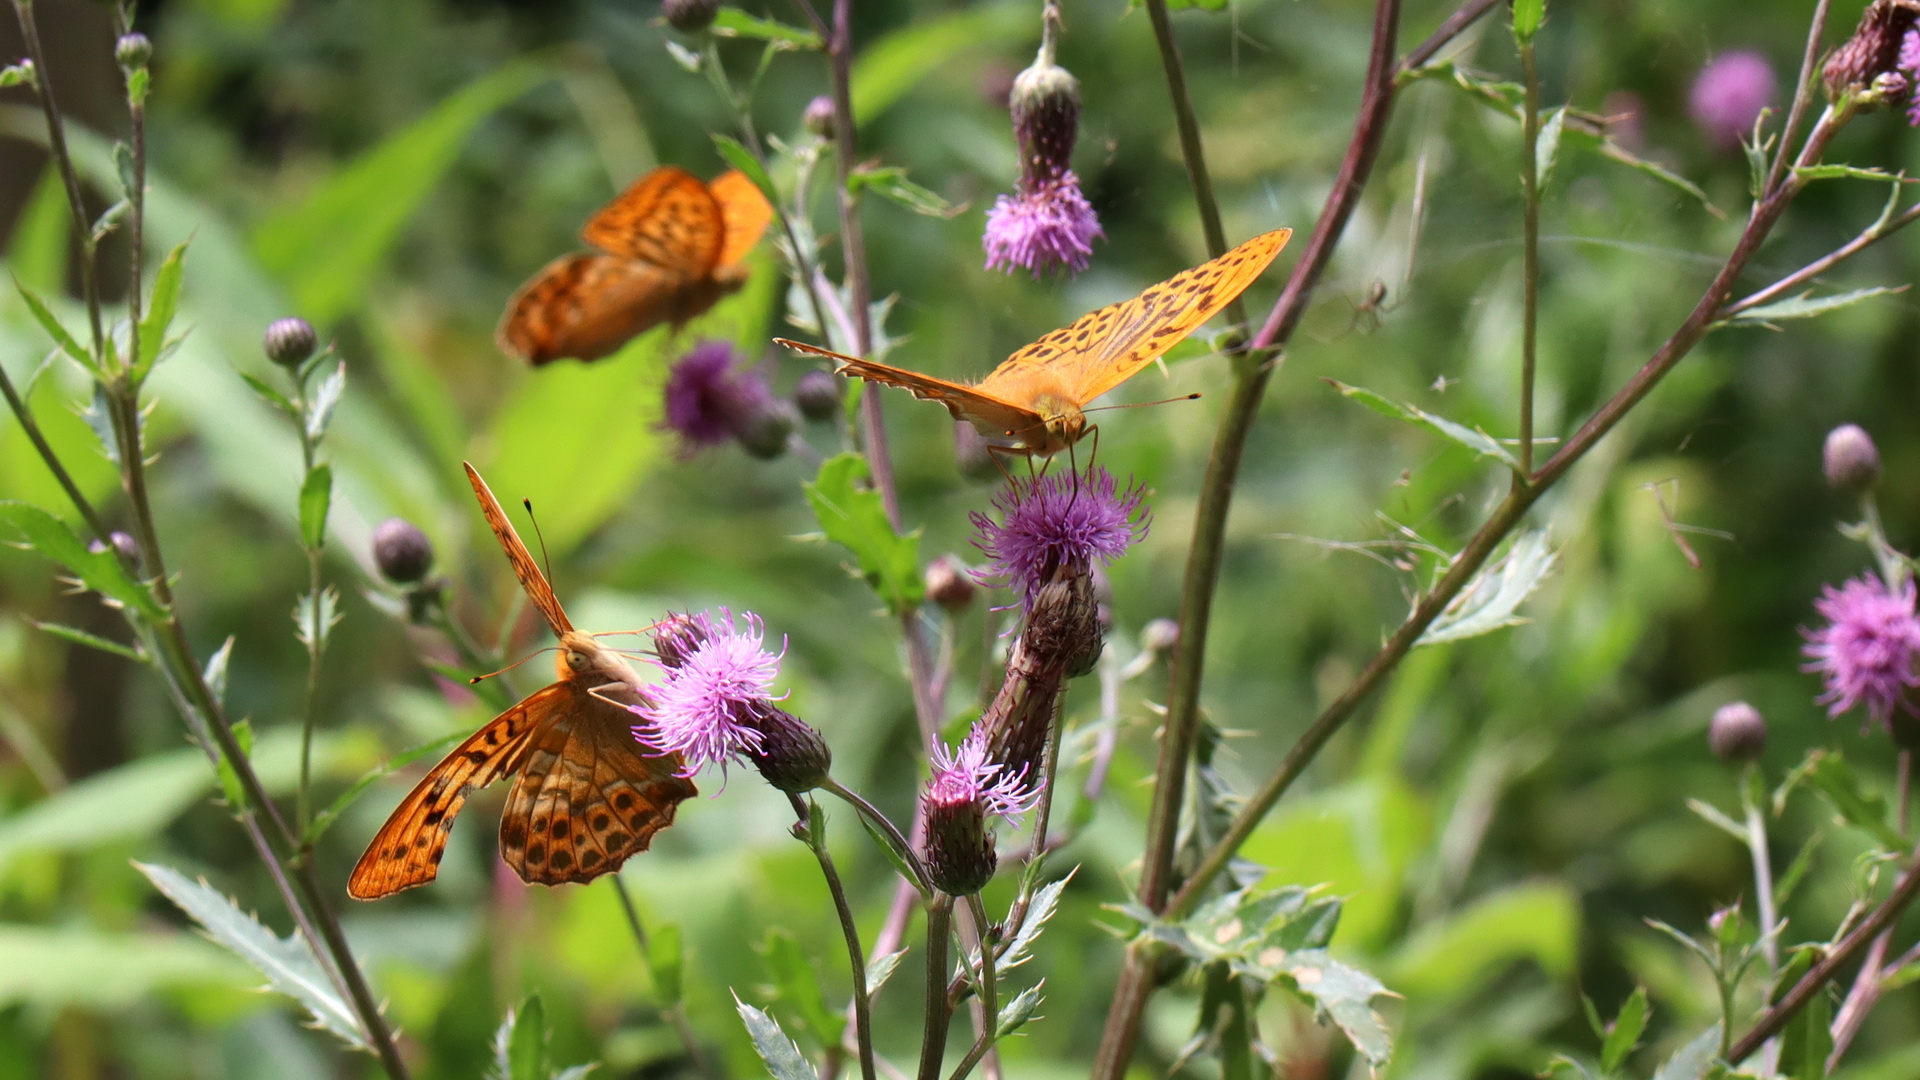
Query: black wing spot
589	860
622	801
516	835
434	816
559	827
537	854
617	840
563	860
478	757
600	822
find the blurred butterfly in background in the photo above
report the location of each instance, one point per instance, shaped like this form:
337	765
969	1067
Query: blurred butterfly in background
671	247
1037	396
588	795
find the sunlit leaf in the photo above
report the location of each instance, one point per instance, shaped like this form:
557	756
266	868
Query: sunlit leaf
325	399
92	641
1477	441
781	1056
1547	149
732	22
891	183
1527	15
799	986
1628	1025
97	570
1694	1060
1492	599
50	322
1015	1014
1345	995
161	306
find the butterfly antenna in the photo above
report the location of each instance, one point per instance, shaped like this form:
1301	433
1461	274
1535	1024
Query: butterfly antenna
509	667
545	561
1143	404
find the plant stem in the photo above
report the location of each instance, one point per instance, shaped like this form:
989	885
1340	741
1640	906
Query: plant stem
675	1013
812	828
54	465
883	823
1762	872
1191	151
315	632
1869	982
933	1037
1530	251
1868	237
989	992
1802	97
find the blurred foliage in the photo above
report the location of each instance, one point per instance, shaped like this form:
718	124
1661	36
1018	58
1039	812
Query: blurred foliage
1501	823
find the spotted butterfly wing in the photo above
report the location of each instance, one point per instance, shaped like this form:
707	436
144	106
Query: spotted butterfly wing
586	306
667	218
991	414
744	214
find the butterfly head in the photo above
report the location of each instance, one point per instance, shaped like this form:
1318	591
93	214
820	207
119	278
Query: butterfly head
582	658
1061	425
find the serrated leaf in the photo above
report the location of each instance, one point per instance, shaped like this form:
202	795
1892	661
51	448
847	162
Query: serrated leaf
325	819
1527	16
98	416
97	570
230	788
92	641
288	964
215	672
327	398
314	616
1624	1035
799	986
526	1041
1345	995
891	183
162	304
741	158
51	324
316	495
1547	148
1015	1014
1839	172
1807	305
882	969
732	22
778	1052
855	518
1492	599
1692	1061
1477	441
271	396
1834	779
1046	900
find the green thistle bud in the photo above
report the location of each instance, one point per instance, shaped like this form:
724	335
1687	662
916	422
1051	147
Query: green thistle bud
132	52
1850	460
1738	733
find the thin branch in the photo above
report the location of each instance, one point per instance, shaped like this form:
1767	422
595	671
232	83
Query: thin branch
1868	237
812	830
933	1036
1802	96
1530	251
52	460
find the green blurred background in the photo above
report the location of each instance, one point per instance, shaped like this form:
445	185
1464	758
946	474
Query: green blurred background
1503	818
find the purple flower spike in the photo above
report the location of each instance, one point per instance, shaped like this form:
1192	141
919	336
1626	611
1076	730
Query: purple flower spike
707	709
711	398
1057	520
965	776
1047	225
1866	651
1728	95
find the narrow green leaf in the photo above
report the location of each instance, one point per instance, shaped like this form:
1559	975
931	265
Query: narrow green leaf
97	570
1477	441
732	22
316	495
1712	816
1527	16
325	400
1806	305
1833	778
1015	1014
527	1041
99	418
230	788
1807	1040
852	515
1046	900
780	1055
1692	1061
1839	172
123	166
666	957
161	306
271	396
891	183
289	965
325	819
1492	599
799	986
1625	1033
314	616
92	641
1547	149
882	969
215	673
741	158
51	324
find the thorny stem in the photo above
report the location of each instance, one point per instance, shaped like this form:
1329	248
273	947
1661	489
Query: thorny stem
812	829
1869	982
933	1037
675	1013
1530	251
989	992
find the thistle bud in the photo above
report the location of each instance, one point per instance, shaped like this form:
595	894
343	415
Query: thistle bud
1046	116
1063	622
818	393
401	551
1872	54
949	584
132	52
819	117
960	856
691	16
677	636
122	543
1850	460
791	755
289	342
1738	733
764	427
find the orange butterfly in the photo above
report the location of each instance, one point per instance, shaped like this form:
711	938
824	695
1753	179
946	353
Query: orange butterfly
1037	396
670	248
587	796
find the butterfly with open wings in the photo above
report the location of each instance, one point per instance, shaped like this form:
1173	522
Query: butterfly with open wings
1038	396
588	795
671	247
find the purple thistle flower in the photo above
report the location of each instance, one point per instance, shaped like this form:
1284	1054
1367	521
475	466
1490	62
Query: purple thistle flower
1728	95
710	398
1046	225
1909	73
707	709
1866	651
965	776
1054	521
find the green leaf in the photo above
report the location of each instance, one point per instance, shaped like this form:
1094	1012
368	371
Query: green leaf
1839	172
1807	1040
778	1052
1046	900
314	616
1451	958
271	396
230	787
891	183
161	306
799	986
1548	147
1477	441
854	517
889	67
1807	305
52	967
902	864
289	965
92	641
316	495
328	249
1712	816
1527	16
1345	995
1692	1061
325	400
1832	777
666	958
97	570
741	158
1015	1014
732	22
37	252
1491	601
51	324
1625	1033
215	672
882	969
325	819
525	1041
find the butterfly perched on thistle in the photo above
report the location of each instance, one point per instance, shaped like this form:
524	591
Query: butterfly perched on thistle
670	247
588	795
1037	398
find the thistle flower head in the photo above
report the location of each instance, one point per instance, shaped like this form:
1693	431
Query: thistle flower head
965	790
1054	521
965	774
704	709
1046	225
1737	733
1849	460
1866	651
1728	95
711	397
401	551
290	341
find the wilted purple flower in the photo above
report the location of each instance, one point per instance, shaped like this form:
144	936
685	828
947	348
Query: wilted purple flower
1728	95
711	398
704	710
1866	651
1046	223
1057	520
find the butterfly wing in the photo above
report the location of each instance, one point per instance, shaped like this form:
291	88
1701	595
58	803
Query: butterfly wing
1104	348
586	306
407	849
524	568
744	212
587	798
667	218
991	414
